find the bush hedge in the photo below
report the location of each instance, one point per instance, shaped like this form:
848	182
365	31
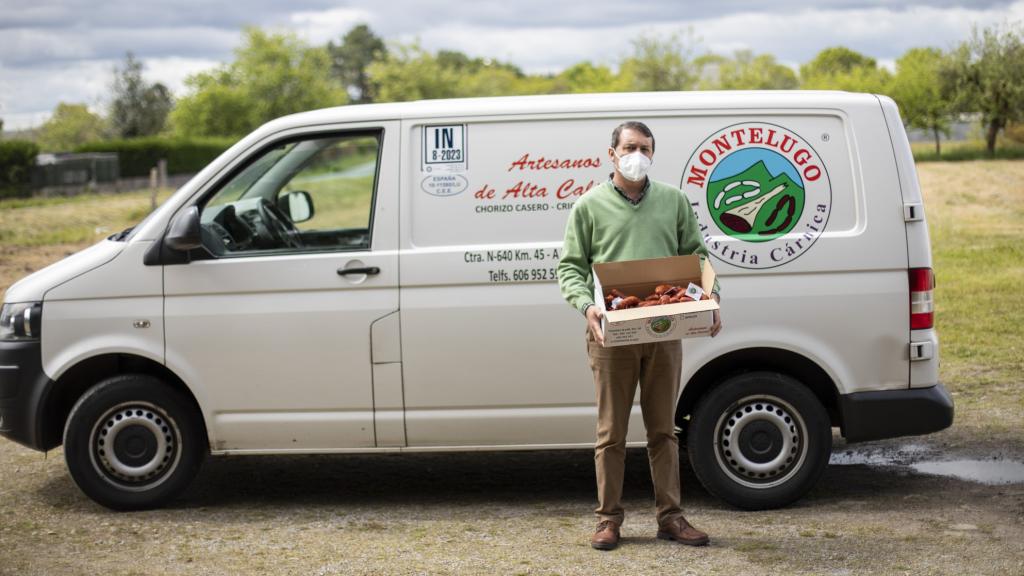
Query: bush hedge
17	157
138	155
960	152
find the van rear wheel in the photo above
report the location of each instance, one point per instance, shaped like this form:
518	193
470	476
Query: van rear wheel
759	440
132	442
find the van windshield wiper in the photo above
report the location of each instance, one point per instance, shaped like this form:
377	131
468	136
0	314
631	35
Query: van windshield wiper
120	236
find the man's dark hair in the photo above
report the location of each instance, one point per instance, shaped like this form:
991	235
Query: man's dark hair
632	125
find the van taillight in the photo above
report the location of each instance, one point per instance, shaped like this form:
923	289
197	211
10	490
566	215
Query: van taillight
922	306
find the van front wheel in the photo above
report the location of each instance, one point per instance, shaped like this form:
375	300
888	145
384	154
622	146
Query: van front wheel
132	442
759	440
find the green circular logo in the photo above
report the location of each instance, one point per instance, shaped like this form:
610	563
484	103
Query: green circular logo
760	192
755	195
661	325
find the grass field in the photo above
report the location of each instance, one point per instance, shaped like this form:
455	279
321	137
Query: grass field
962	150
975	214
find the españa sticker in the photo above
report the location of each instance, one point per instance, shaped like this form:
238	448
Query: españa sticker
764	188
444	184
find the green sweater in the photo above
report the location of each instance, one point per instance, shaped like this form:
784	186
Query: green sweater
605	227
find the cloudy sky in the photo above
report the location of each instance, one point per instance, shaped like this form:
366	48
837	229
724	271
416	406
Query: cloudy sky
53	51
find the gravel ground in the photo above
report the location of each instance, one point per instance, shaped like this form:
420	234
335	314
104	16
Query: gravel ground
508	513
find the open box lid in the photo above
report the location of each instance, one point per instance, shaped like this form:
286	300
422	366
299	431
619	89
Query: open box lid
640	277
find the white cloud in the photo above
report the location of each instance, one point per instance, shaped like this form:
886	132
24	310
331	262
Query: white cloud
793	37
533	49
38	91
31	47
320	27
64	50
173	71
880	33
28	96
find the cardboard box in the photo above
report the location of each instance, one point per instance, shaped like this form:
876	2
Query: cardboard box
654	323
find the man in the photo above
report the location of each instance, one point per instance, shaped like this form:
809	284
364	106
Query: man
631	217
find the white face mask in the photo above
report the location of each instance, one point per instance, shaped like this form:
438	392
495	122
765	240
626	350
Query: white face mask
634	166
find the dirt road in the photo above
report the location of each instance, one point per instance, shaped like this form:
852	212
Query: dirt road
508	513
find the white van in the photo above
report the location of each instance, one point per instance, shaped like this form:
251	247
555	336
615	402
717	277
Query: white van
382	278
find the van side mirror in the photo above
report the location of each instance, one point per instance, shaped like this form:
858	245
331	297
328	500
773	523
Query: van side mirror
185	233
298	205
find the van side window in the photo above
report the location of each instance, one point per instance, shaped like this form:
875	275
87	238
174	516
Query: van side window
307	195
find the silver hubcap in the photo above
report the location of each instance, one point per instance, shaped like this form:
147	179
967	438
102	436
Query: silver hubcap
761	442
134	445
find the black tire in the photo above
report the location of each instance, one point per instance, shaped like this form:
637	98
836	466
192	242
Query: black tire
132	442
759	440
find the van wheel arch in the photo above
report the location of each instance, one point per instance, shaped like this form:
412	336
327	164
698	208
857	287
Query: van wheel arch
760	440
81	377
786	362
133	443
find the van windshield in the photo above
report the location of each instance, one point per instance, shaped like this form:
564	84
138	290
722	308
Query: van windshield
250	175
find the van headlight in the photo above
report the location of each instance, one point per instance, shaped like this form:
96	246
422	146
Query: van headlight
21	321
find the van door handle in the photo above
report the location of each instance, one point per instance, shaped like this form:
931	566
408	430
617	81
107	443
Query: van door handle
364	270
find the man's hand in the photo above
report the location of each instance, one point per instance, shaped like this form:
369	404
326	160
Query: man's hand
717	326
594	315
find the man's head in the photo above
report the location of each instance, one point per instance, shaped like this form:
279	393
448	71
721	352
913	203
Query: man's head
631	138
639	128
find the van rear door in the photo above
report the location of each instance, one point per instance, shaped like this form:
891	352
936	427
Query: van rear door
924	343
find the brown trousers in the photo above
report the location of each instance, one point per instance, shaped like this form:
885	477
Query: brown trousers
657	366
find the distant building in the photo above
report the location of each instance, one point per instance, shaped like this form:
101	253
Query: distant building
966	127
75	169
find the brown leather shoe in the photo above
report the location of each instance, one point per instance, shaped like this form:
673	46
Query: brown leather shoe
606	537
681	531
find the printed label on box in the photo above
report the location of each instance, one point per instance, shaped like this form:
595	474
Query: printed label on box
660	327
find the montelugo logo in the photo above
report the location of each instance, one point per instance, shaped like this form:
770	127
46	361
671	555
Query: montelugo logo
761	194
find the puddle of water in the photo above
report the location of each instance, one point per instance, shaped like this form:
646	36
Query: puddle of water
991	472
889	456
849	458
995	471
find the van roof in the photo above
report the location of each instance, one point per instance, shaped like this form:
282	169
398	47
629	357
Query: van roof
574	103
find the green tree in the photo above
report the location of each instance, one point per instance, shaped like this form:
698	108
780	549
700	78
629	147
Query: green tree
492	81
138	108
17	157
839	68
70	126
835	60
745	71
272	75
351	58
660	64
585	77
917	89
215	106
708	67
408	72
985	75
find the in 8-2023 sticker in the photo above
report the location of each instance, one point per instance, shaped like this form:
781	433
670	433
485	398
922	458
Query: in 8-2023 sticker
444	148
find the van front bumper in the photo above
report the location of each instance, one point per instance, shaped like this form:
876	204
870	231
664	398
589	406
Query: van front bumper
23	390
890	413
